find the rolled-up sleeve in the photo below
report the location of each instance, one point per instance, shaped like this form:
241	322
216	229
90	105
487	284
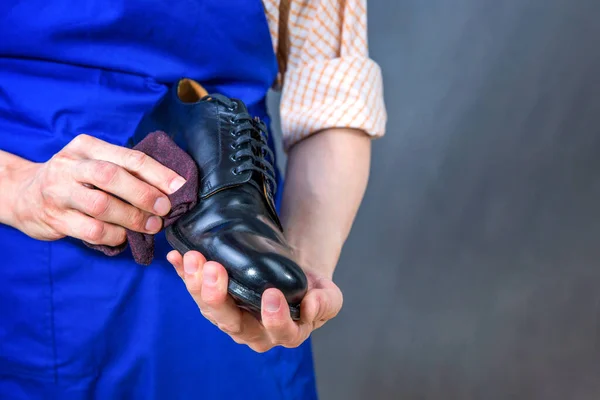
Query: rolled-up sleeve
330	81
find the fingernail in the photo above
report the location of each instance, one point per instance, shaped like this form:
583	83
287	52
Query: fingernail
176	184
162	206
210	275
153	224
189	266
272	302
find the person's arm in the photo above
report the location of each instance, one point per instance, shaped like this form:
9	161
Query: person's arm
325	182
331	105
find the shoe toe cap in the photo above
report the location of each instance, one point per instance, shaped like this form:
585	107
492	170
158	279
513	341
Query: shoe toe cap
286	276
259	264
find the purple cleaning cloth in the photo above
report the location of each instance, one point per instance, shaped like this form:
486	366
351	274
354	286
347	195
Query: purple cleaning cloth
160	147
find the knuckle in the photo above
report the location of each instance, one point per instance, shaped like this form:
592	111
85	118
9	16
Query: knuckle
120	237
147	197
135	160
194	290
260	347
58	160
54	226
98	204
47	193
275	324
94	231
105	172
291	344
240	340
285	339
52	181
232	329
325	308
255	338
212	297
51	217
136	220
81	141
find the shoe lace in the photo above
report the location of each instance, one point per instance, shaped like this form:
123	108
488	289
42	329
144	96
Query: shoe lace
256	156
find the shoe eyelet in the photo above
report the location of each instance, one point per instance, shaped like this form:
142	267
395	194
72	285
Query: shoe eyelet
233	146
233	133
233	106
232	120
235	171
233	158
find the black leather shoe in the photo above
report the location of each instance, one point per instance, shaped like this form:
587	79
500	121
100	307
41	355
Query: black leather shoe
235	222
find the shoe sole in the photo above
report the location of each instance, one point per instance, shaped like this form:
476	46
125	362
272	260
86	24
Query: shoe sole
245	298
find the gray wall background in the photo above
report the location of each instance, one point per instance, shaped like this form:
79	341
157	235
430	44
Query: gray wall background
472	270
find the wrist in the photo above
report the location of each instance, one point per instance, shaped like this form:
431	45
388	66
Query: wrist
11	176
316	255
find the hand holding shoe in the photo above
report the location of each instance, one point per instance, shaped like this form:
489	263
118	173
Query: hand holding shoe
207	283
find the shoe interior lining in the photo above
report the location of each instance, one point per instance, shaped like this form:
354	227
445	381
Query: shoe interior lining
190	91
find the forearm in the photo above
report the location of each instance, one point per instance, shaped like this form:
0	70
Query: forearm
9	165
326	179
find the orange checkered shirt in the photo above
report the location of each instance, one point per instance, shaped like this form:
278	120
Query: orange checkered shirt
330	81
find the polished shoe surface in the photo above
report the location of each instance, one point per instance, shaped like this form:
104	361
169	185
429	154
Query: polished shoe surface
235	222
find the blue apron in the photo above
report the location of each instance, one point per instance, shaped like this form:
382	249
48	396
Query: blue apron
75	324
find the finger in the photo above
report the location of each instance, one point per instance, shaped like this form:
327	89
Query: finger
320	305
253	334
193	263
75	224
116	180
261	344
192	273
176	259
136	162
221	308
216	305
277	321
217	302
101	205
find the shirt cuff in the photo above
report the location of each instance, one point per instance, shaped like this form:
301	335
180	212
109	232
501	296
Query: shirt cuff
342	92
